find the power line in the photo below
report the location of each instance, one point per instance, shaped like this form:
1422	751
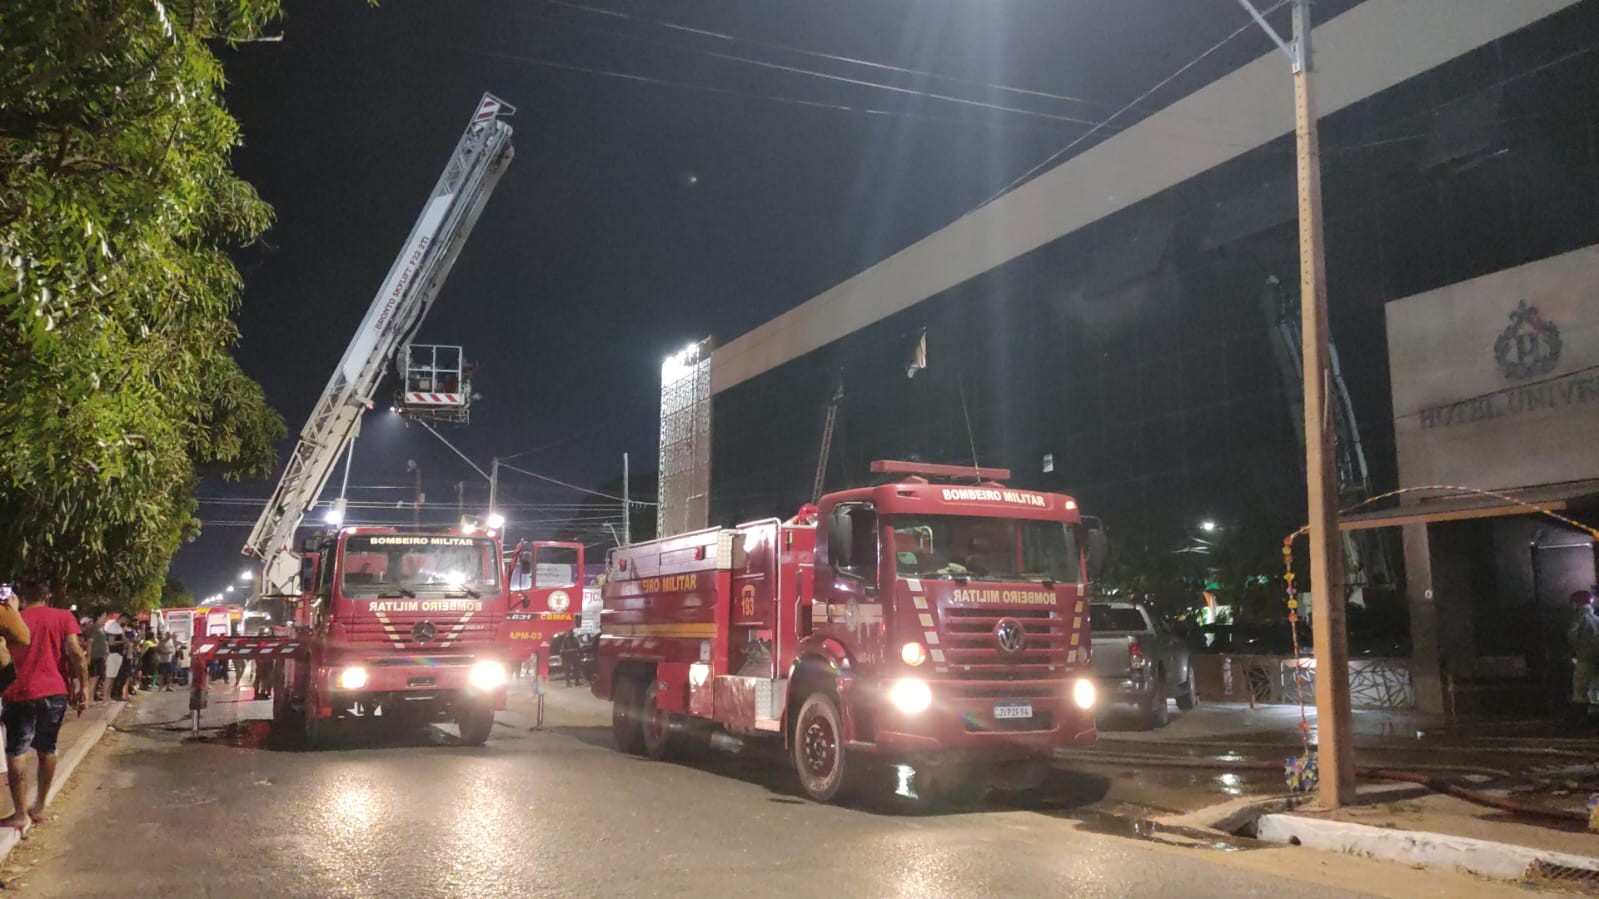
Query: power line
816	54
1247	26
826	76
812	104
541	477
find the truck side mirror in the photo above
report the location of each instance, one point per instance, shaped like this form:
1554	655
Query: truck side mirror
524	561
307	572
1098	552
840	529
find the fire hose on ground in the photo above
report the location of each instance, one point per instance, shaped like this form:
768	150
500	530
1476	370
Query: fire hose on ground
1416	776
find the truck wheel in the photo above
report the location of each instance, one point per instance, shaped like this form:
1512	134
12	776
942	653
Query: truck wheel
660	743
828	772
626	725
1187	695
475	721
288	726
316	733
1152	712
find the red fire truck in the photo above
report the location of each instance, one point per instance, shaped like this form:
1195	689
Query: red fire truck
546	583
937	620
384	624
393	628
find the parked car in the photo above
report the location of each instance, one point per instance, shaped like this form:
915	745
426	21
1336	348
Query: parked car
1138	660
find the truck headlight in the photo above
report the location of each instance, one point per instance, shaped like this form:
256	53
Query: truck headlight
911	695
352	678
912	654
487	675
1083	693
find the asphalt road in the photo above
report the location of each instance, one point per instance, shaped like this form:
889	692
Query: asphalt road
559	812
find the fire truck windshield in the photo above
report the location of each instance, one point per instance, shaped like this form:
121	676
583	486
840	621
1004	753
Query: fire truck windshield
985	549
376	565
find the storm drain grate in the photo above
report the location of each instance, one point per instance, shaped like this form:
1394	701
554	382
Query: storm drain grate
1543	873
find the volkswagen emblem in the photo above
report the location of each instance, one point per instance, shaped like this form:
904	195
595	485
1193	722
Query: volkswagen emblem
423	631
1009	635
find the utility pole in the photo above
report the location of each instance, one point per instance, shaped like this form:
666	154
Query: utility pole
494	483
416	506
627	507
460	499
1335	742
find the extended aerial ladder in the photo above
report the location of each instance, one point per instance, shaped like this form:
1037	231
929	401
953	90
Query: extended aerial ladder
412	284
1365	559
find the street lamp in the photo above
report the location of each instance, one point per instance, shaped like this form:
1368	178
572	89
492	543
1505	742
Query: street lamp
1207	526
247	575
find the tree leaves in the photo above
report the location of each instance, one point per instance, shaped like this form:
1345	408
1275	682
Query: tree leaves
118	205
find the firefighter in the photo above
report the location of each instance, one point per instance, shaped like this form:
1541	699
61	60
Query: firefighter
263	671
1583	638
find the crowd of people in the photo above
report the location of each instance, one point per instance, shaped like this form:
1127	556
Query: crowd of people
126	657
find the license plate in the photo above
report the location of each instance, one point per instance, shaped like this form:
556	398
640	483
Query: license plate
1013	710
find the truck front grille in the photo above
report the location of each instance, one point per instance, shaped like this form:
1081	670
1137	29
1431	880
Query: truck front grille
972	653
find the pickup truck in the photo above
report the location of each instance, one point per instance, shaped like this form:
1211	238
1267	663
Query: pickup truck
1138	660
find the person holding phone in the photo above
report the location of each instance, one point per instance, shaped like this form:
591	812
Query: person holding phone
13	633
36	703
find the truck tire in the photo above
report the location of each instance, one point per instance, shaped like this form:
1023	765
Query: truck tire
1187	695
315	733
475	722
626	725
828	771
660	737
1152	712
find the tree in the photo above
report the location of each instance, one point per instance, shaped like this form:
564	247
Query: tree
118	207
174	595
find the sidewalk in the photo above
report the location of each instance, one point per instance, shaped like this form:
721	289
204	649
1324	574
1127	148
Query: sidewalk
78	736
1530	764
1443	832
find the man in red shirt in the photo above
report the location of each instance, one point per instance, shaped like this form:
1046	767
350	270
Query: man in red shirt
36	704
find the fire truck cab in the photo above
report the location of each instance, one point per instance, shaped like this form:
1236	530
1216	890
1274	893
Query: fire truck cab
545	579
396	626
937	620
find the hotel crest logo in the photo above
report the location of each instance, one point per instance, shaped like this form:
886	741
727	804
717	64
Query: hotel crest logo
1529	346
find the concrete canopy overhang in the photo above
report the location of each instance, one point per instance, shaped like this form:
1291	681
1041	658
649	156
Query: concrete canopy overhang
1469	506
1372	47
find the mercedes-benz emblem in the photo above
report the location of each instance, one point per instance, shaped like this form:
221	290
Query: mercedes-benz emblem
423	631
1009	635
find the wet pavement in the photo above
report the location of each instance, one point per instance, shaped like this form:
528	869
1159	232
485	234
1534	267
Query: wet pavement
559	812
1239	751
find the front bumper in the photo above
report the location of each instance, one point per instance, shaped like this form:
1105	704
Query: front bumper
964	719
426	684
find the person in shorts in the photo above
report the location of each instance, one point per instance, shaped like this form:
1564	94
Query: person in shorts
36	704
165	649
99	651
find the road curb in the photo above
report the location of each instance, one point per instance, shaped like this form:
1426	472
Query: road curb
1485	858
100	719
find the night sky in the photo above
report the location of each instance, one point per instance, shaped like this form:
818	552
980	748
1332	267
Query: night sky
637	216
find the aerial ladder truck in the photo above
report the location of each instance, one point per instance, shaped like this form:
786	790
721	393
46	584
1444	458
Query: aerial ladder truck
376	623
